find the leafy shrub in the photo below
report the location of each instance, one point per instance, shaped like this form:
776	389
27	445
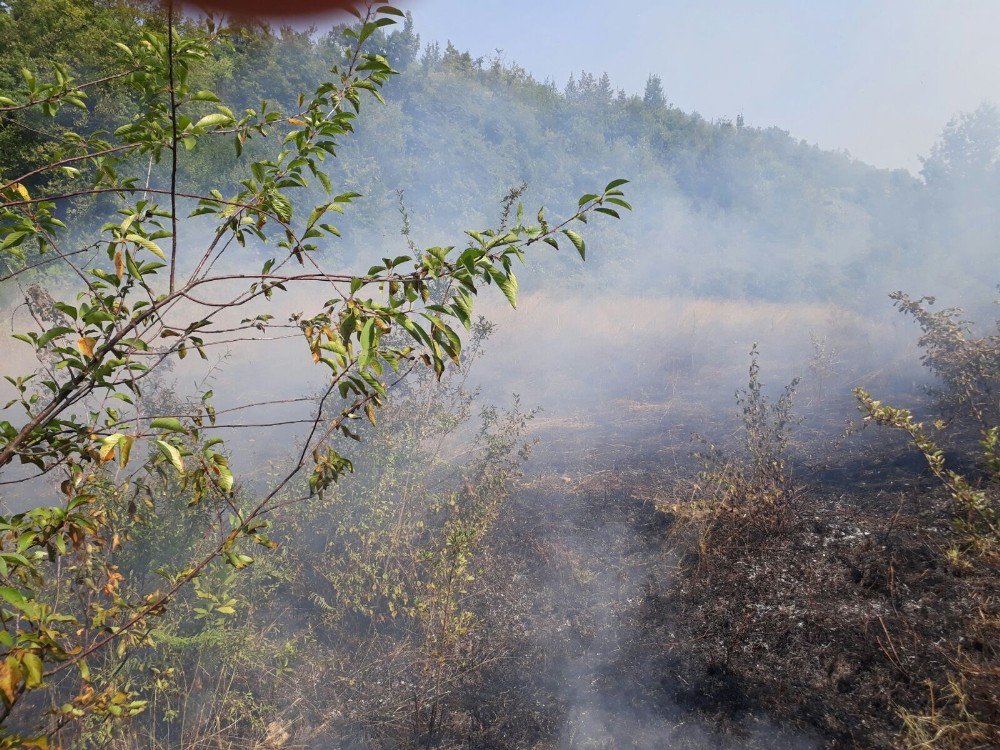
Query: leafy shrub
746	490
366	619
967	366
151	278
962	711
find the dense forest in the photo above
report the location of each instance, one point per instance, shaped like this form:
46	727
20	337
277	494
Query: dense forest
263	479
767	216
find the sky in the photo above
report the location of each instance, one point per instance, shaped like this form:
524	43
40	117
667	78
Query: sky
877	78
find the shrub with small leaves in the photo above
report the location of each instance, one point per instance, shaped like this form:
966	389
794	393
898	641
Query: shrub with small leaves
145	297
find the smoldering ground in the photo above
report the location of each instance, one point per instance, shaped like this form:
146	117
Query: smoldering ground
620	393
623	385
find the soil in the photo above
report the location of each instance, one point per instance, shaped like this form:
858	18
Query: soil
816	634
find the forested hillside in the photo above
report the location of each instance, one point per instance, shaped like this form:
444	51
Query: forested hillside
766	216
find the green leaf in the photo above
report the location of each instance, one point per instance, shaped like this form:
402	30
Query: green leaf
508	285
462	308
317	213
171	454
13	239
418	333
204	96
52	333
367	340
167	423
124	449
146	243
212	120
577	241
33	667
226	479
12	595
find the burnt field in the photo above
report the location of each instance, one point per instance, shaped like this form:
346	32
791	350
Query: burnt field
643	619
699	543
678	567
681	569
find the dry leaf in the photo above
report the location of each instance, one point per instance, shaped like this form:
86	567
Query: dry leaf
86	345
10	678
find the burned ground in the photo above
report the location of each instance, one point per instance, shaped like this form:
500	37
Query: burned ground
820	634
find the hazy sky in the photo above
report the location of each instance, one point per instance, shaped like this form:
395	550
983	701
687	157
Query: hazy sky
879	78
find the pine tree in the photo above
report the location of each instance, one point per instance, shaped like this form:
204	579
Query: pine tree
654	96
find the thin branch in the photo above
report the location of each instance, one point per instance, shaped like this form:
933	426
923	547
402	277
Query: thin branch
243	339
62	163
134	189
41	133
234	534
46	261
173	144
81	87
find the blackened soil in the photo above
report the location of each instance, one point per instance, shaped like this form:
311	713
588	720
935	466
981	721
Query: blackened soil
816	633
597	658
